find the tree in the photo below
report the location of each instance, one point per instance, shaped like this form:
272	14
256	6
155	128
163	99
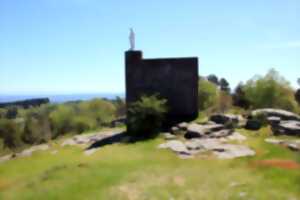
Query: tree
270	91
297	96
213	79
224	85
239	97
208	94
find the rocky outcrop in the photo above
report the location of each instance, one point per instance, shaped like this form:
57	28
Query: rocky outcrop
282	114
218	147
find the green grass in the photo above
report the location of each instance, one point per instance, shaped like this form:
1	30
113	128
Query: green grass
141	171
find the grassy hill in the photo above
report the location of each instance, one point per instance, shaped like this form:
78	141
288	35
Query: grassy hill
141	171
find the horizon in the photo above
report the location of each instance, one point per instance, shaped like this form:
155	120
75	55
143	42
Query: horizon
77	47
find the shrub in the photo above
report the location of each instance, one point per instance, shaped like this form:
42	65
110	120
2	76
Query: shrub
224	102
208	94
10	131
82	123
61	119
239	97
101	110
37	126
146	116
271	91
297	96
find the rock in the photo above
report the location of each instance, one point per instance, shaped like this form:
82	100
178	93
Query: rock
221	133
198	131
194	131
226	118
230	151
237	136
5	158
193	145
169	136
176	146
183	126
273	141
287	128
253	124
273	120
282	114
175	130
68	142
90	151
28	152
294	147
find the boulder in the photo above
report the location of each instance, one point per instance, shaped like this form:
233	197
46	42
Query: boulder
226	118
287	128
198	131
176	146
273	120
194	131
183	126
282	114
221	133
230	151
169	136
175	130
253	124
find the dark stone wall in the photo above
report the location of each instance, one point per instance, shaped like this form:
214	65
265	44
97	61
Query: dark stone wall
175	79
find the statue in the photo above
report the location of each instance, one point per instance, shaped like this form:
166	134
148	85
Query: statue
132	40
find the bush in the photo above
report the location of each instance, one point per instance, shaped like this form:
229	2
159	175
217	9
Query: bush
208	94
100	110
146	116
10	132
270	91
224	102
82	123
37	126
61	120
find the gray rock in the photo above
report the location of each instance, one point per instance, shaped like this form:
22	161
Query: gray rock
282	114
273	141
294	147
194	131
287	128
5	158
226	118
175	130
169	136
273	120
230	151
183	126
221	133
237	137
176	146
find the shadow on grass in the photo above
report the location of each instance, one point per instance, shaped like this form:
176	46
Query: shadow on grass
123	137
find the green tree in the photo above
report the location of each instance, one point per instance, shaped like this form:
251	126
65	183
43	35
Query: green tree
208	94
271	91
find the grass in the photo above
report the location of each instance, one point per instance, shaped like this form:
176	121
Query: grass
141	171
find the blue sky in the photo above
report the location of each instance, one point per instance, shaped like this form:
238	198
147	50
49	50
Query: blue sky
77	46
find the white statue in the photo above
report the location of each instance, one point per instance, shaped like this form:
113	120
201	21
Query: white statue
132	40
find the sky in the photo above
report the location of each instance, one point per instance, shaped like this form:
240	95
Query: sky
77	46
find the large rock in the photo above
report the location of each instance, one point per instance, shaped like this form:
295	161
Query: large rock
282	114
176	146
226	118
198	131
230	151
287	128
